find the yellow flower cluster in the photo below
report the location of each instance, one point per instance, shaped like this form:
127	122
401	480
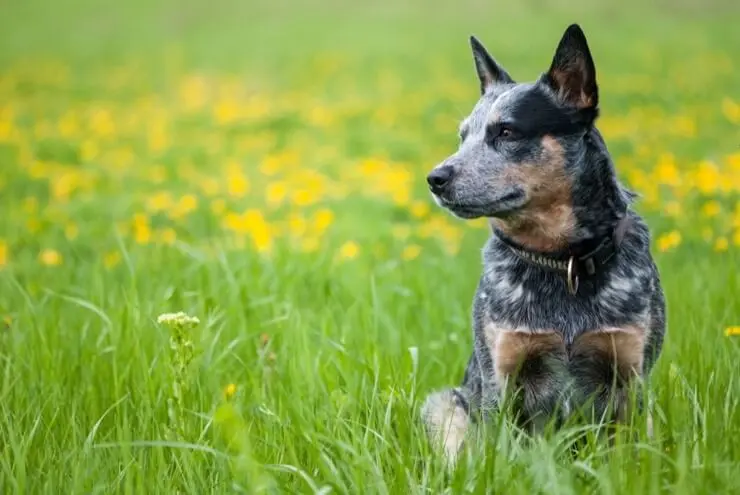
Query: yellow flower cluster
218	158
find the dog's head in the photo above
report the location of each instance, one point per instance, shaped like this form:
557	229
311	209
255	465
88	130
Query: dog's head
521	144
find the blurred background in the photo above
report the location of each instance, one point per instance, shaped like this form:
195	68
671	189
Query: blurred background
258	122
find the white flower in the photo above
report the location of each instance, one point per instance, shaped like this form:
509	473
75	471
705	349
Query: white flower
177	319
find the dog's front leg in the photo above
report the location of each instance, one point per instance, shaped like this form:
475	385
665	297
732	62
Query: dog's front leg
530	368
604	364
446	416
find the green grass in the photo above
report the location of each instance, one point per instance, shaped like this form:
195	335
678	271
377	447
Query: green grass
331	357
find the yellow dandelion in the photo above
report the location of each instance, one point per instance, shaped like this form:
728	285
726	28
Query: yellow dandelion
3	253
226	112
666	171
411	252
731	110
304	197
323	219
160	201
238	184
349	250
142	230
420	209
669	241
711	209
275	192
111	259
721	244
707	177
50	257
235	222
259	229
229	391
732	331
736	238
187	203
168	236
271	165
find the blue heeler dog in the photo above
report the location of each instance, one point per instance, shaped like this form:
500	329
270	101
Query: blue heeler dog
569	309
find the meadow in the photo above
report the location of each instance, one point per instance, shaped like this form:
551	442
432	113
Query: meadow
260	167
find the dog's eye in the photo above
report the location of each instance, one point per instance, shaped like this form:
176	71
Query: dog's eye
506	132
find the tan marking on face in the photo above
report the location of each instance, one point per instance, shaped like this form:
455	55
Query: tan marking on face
623	346
547	221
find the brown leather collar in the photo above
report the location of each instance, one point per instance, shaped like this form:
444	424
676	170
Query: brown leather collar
583	260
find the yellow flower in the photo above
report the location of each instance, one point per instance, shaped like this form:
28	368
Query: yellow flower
304	197
410	252
666	171
322	219
711	209
731	109
142	230
111	259
168	236
669	241
3	253
420	209
229	391
50	257
730	331
259	229
721	244
349	250
736	238
238	184
160	201
707	177
275	192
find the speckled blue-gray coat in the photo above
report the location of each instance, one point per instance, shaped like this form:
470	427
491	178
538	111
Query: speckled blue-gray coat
569	309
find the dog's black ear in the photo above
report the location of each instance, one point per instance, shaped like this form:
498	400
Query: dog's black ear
489	72
572	74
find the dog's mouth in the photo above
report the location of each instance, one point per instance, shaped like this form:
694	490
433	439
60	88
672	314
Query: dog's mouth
502	205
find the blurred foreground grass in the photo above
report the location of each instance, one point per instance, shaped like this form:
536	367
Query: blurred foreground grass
261	166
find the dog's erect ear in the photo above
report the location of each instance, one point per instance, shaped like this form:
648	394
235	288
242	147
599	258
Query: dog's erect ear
489	72
572	74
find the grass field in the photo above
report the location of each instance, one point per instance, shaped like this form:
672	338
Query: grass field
260	166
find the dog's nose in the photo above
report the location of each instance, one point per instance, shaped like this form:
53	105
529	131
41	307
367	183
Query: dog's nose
439	178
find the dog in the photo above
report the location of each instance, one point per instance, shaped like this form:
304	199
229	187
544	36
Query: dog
569	312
